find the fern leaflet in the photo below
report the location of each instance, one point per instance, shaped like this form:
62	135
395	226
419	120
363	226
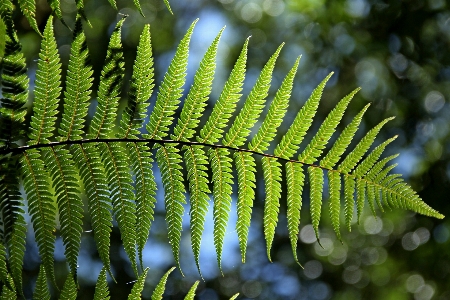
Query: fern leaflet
161	286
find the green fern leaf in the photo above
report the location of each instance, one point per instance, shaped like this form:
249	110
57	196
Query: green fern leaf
101	287
245	165
371	198
93	175
60	165
55	5
375	171
352	159
138	287
334	184
16	246
169	161
108	94
360	197
81	12
191	294
349	205
119	181
291	140
196	162
40	206
326	130
47	89
170	90
234	296
28	8
213	130
253	105
69	291
372	158
41	291
141	88
272	178
277	110
166	2
222	180
113	4
14	82
159	289
295	181
8	291
341	144
138	6
78	83
3	268
316	182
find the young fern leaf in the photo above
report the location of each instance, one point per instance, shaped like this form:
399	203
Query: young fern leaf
234	296
168	157
55	5
194	156
138	6
141	88
161	286
41	290
166	2
191	294
113	4
221	167
81	12
101	287
138	287
69	291
28	8
271	167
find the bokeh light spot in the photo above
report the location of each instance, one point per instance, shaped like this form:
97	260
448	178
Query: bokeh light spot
434	101
373	225
414	283
251	289
307	234
410	241
251	12
313	269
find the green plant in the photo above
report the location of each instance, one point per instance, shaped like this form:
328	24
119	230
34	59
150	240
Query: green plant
106	156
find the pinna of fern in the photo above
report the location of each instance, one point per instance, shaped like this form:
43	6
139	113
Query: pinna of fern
115	165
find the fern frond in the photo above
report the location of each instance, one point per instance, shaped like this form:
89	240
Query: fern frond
334	187
166	2
277	110
47	89
196	162
101	287
40	206
349	205
94	179
344	139
272	179
161	286
353	157
113	4
294	136
78	88
372	158
360	197
213	130
141	88
326	130
170	90
222	180
109	89
191	294
245	166
169	161
138	6
234	296
55	5
119	179
195	102
295	182
60	165
28	8
16	246
41	290
3	268
8	291
316	183
69	291
138	287
81	12
253	105
14	82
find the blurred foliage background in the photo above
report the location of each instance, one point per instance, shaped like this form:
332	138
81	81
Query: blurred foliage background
397	51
